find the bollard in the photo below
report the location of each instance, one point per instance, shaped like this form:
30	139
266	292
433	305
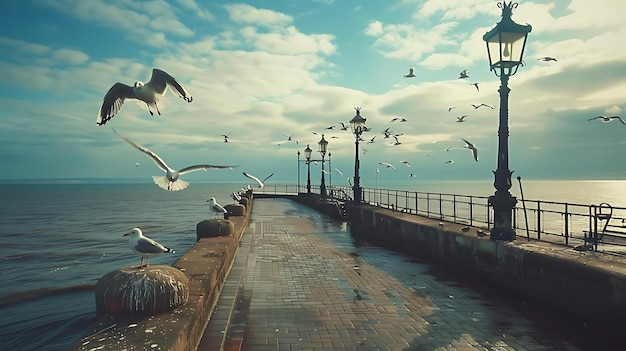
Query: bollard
235	209
147	291
210	228
244	201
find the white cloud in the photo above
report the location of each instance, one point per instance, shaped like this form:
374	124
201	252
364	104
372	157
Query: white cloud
243	13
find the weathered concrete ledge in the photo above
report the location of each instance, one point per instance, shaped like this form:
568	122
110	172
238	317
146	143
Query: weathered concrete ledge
206	265
588	285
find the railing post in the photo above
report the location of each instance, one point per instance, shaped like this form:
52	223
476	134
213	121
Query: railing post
538	220
566	225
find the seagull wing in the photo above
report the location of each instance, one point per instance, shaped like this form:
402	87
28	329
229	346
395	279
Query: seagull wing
149	246
160	80
201	168
618	118
268	177
113	101
254	178
601	117
159	162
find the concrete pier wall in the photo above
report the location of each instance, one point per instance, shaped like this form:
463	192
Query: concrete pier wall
589	285
206	265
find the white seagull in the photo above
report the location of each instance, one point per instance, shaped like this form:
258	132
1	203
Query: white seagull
170	181
143	246
236	197
399	119
471	147
340	172
260	182
215	207
406	163
606	119
388	165
150	93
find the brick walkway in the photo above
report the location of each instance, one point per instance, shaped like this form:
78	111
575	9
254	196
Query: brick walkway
303	285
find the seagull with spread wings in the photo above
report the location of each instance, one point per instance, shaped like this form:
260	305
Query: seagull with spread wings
388	165
150	93
410	74
171	180
260	182
606	119
471	147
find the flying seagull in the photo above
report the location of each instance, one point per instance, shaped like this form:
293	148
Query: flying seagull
215	207
410	75
606	119
407	163
471	147
461	119
261	183
150	93
481	105
170	181
463	74
476	85
388	165
399	119
450	108
225	136
546	58
338	171
144	246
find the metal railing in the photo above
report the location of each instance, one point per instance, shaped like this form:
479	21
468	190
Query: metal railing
590	227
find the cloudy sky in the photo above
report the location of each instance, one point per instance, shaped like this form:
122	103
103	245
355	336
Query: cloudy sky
261	70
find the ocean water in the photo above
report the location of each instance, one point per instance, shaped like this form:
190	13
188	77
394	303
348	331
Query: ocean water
57	240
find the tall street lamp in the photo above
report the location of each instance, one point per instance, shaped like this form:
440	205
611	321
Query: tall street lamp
298	188
307	155
323	145
357	124
505	47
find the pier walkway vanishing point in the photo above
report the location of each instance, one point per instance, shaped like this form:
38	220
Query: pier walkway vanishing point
300	282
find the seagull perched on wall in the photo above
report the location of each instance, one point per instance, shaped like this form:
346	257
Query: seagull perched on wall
215	207
471	147
150	93
144	246
606	119
171	180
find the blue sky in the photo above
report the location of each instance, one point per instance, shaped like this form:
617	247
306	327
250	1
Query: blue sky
261	70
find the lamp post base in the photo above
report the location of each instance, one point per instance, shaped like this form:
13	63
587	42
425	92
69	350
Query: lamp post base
503	205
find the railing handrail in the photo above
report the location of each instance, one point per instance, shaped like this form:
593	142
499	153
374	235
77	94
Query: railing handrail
572	224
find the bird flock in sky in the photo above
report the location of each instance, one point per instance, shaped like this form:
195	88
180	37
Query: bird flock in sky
152	92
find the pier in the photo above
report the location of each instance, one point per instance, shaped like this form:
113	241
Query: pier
293	278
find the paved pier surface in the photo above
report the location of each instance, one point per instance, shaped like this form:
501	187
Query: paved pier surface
299	282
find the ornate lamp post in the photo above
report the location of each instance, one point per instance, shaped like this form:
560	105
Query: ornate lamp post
298	188
357	124
505	47
323	145
307	155
330	174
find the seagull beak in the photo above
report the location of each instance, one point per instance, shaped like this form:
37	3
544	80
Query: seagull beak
126	234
